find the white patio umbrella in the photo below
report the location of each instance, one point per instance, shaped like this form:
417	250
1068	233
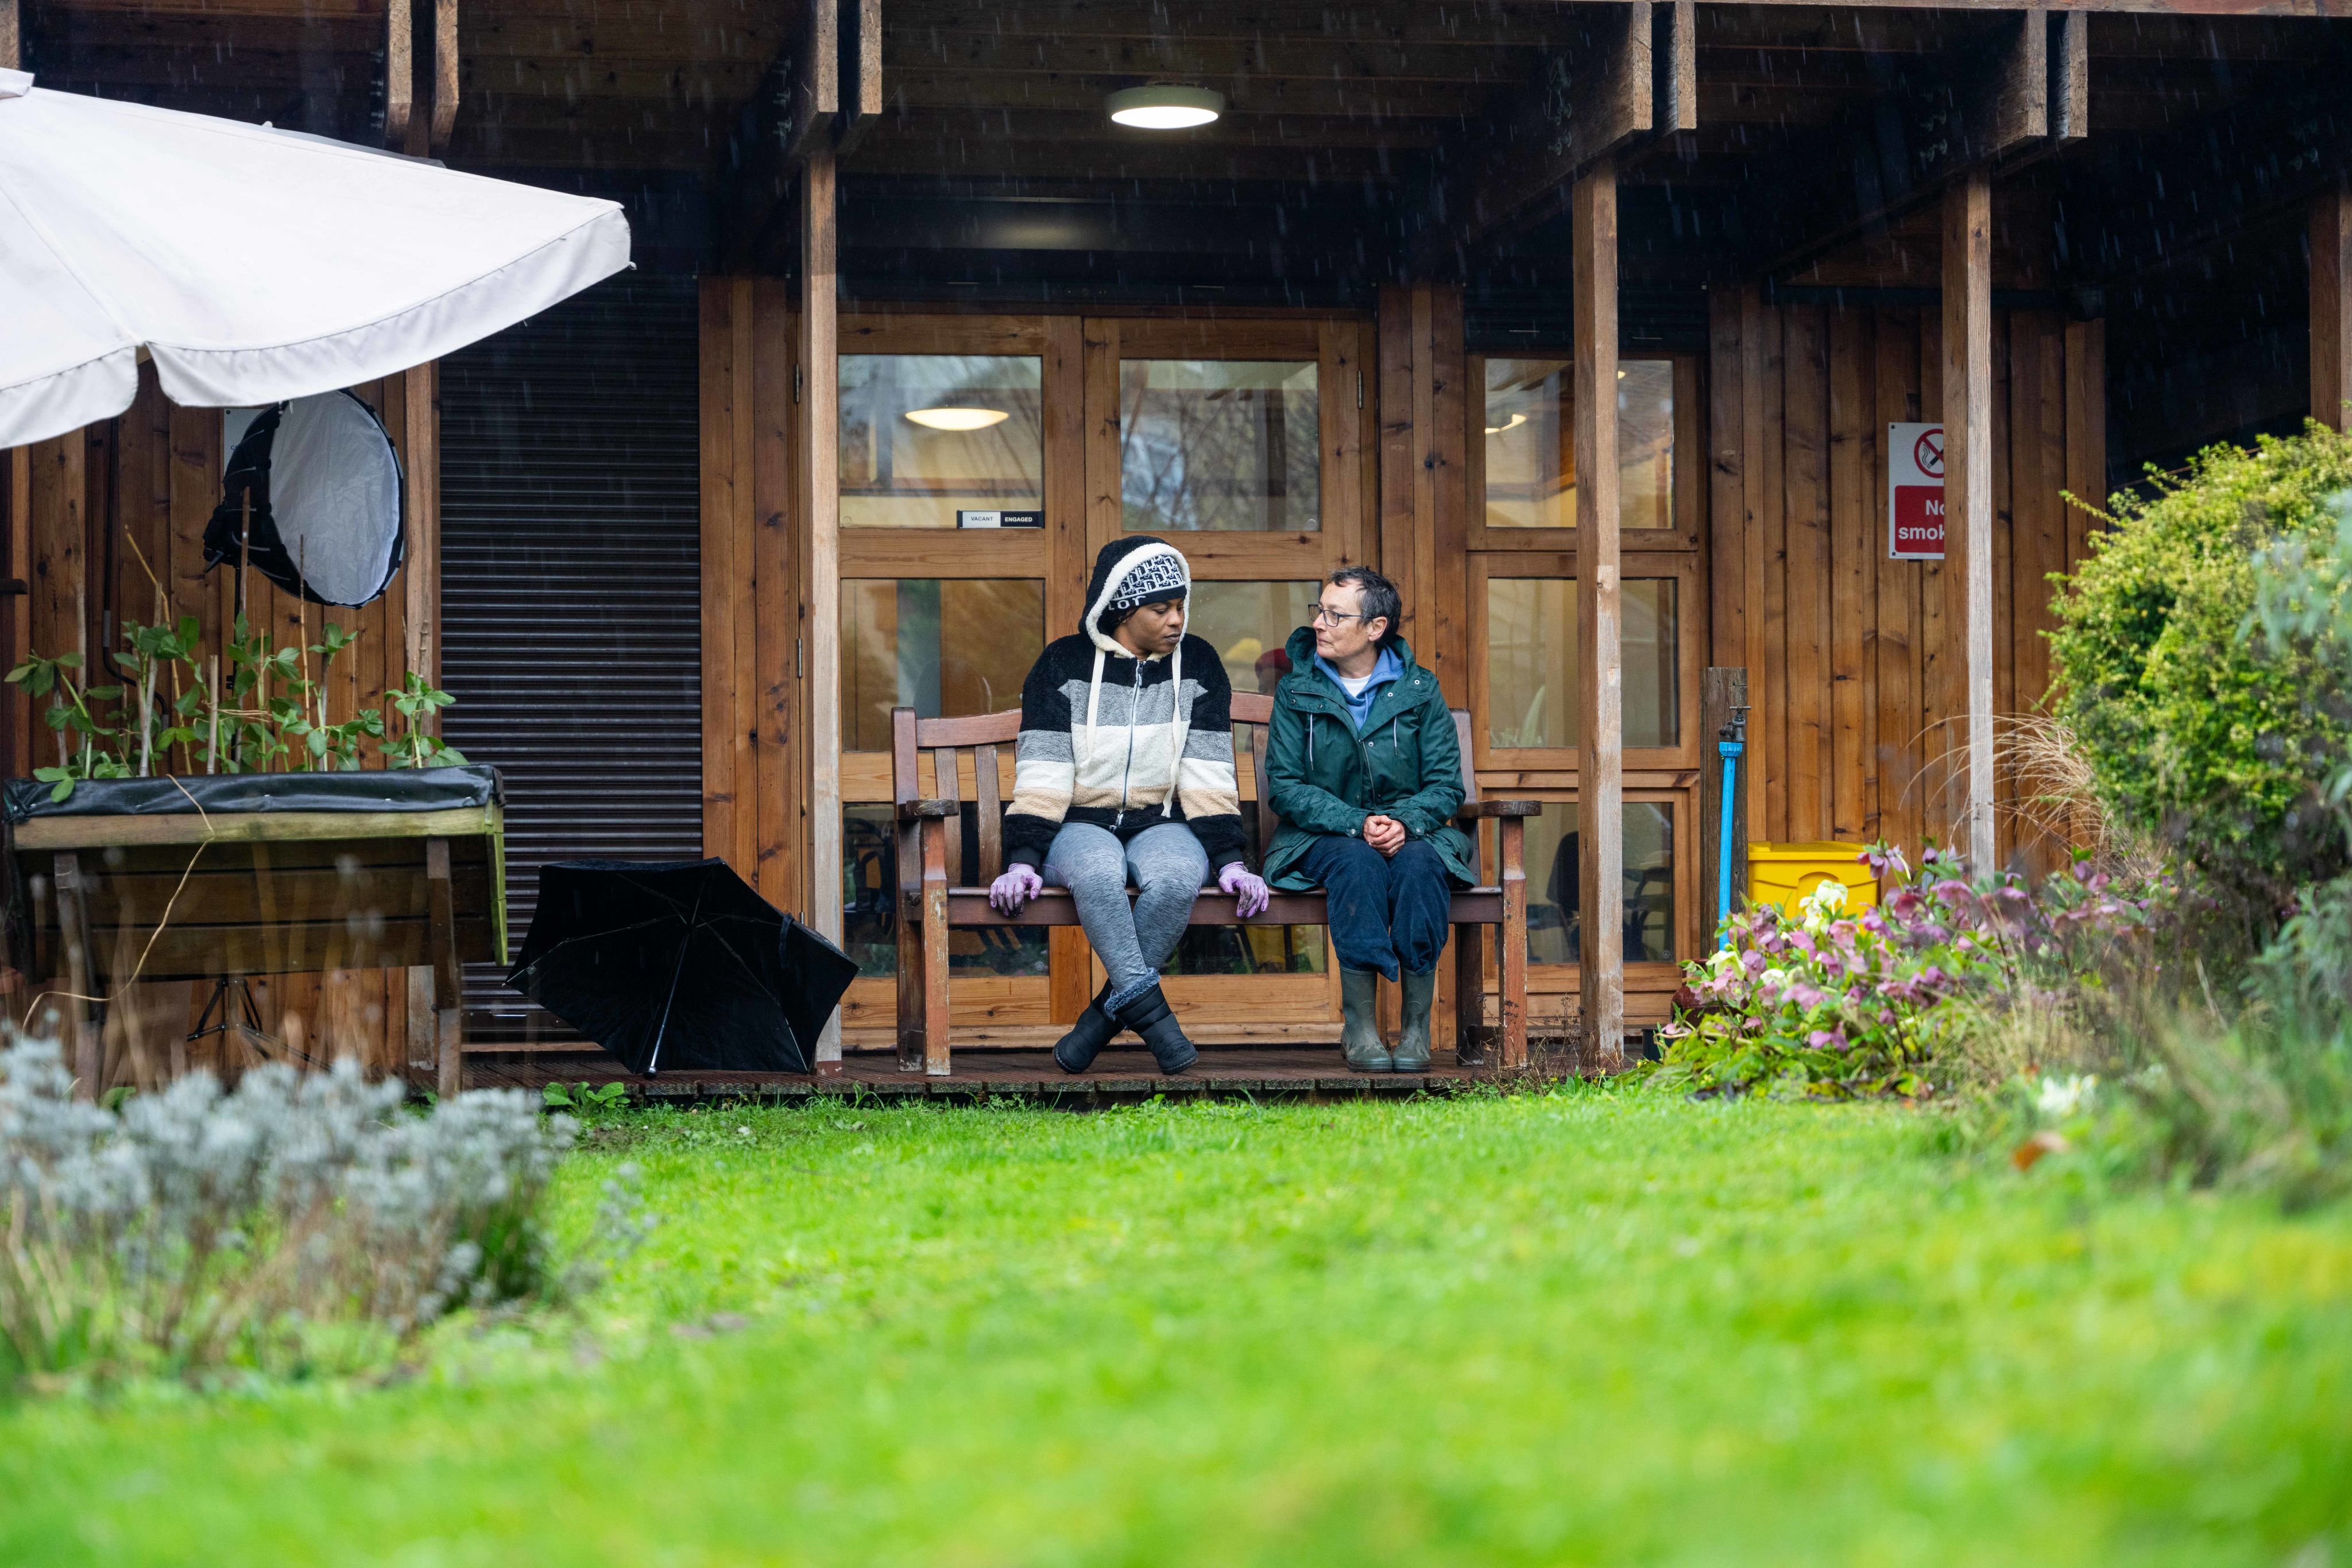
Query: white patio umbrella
252	265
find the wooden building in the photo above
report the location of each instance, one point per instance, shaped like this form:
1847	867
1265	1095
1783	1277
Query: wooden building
680	546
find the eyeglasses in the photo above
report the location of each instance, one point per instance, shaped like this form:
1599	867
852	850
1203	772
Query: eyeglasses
1324	616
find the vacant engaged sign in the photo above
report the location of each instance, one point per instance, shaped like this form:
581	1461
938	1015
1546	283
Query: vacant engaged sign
1915	491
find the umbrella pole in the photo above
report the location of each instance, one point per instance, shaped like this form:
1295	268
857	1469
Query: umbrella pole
693	921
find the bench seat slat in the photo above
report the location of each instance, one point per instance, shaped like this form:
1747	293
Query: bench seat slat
968	906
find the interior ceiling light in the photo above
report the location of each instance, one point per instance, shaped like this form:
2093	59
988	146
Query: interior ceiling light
1163	107
1513	423
956	418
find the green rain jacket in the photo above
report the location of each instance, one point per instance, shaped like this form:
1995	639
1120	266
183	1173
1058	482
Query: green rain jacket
1327	777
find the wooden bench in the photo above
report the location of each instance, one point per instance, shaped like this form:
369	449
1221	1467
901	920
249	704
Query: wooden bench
935	898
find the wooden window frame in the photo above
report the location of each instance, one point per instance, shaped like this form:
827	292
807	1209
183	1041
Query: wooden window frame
1685	568
1341	348
1689	496
1690	926
977	552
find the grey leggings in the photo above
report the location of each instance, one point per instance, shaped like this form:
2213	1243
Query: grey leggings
1168	866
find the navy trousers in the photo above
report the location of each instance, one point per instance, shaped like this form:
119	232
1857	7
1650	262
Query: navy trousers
1384	914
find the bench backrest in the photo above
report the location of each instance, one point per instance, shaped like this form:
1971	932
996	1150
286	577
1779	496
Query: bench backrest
989	738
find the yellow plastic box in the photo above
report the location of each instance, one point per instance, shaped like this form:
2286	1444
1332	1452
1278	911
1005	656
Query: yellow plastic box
1786	874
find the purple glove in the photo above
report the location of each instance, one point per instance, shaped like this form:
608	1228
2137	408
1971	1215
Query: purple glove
1017	886
1249	889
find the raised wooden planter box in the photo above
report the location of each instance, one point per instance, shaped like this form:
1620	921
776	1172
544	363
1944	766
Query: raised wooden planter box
220	878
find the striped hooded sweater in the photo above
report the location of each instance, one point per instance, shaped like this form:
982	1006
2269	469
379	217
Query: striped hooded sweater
1121	742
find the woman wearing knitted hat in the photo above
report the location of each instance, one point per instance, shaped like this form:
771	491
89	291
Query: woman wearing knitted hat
1125	771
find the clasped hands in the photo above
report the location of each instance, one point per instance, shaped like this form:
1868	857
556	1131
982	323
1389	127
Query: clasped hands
1020	884
1385	834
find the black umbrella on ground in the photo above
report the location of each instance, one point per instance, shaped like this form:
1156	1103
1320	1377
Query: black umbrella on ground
677	964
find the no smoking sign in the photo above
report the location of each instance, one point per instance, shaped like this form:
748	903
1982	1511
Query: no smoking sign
1915	491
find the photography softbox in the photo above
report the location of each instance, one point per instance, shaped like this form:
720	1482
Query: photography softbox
324	485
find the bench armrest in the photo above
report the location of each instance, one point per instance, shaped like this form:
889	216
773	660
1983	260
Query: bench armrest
914	810
1475	810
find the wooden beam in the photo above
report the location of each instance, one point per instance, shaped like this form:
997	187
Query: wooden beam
1677	67
1968	471
1589	99
444	71
2331	308
1600	695
2070	78
12	36
793	111
1944	115
861	74
399	71
819	500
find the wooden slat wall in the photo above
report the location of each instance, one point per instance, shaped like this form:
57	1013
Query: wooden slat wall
754	613
114	530
1857	662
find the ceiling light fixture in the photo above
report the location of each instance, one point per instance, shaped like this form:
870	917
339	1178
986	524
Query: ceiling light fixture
1513	423
956	418
1165	107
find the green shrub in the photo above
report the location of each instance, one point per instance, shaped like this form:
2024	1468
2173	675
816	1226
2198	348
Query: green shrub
2209	740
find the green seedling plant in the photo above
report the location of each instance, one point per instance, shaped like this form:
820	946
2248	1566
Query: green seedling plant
267	712
416	702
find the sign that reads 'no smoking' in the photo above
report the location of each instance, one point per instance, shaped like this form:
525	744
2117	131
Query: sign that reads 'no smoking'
1915	491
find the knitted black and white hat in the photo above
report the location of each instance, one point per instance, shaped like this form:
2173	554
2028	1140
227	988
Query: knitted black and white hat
1130	573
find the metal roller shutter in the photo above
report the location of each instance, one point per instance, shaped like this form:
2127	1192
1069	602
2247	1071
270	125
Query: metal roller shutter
570	618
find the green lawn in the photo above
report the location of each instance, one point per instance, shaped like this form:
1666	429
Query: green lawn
1590	1327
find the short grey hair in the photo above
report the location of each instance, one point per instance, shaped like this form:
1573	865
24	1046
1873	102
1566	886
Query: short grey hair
1376	596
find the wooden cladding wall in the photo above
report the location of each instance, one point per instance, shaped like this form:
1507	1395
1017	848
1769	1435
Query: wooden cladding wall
1858	663
108	525
754	606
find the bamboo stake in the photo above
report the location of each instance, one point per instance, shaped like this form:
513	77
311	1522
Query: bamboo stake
212	746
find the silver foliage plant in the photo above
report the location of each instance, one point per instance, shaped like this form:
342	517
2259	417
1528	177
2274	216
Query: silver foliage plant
293	1219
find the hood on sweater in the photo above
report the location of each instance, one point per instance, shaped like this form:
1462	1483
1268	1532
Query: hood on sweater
1127	572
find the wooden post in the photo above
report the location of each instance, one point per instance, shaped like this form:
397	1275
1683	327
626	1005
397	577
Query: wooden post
449	993
12	37
85	1029
399	71
820	504
1968	469
1721	690
1599	697
2331	307
445	72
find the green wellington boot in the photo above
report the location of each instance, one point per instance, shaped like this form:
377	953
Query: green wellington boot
1359	1035
1412	1045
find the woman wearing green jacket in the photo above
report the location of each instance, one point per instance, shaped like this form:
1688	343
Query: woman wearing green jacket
1366	775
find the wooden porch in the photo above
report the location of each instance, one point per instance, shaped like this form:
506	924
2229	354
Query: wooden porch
1119	1076
1445	239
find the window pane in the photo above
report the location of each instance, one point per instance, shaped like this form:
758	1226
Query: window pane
1530	457
1219	444
943	647
1553	934
1248	622
870	873
925	435
1531	661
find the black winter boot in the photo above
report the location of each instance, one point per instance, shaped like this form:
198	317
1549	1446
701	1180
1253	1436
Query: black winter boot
1076	1050
1149	1016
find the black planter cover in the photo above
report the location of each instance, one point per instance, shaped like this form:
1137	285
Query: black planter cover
370	789
679	964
